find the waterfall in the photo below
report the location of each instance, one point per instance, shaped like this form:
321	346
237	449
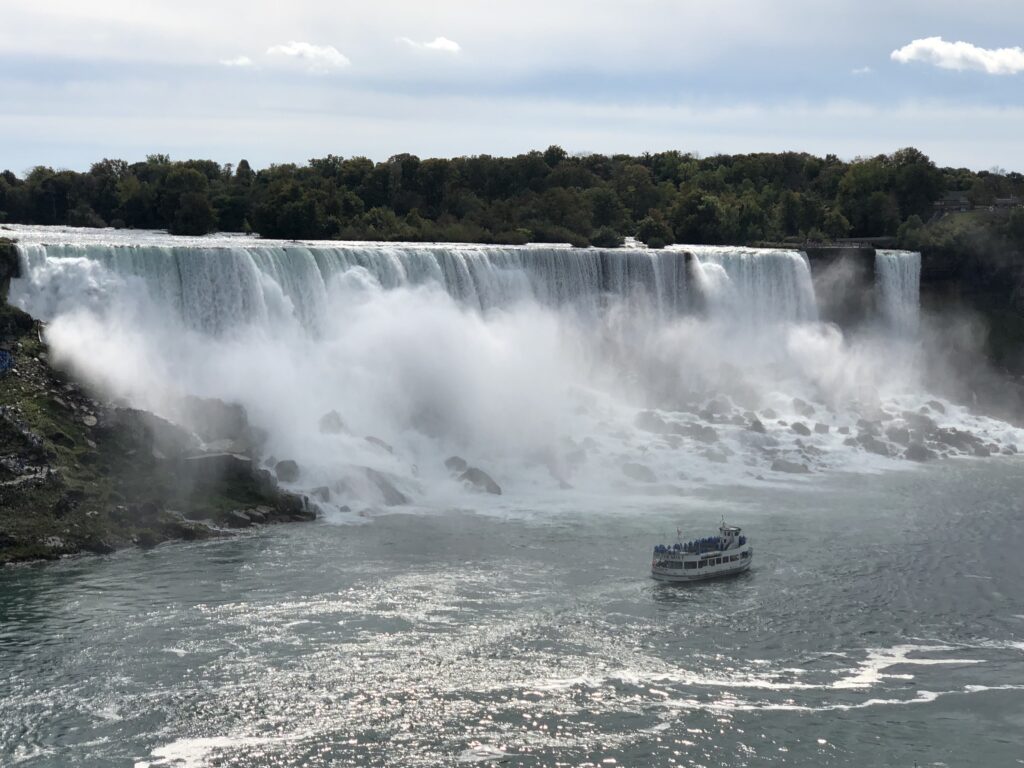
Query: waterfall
755	284
898	286
217	283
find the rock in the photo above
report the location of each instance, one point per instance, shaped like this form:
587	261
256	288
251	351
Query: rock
869	427
89	420
379	443
392	496
768	413
257	516
792	467
716	457
918	452
161	438
899	435
920	422
321	493
214	420
720	406
480	481
331	424
639	472
649	421
216	465
843	430
237	519
982	452
757	426
803	407
456	464
955	438
800	428
936	406
287	471
701	433
821	429
872	444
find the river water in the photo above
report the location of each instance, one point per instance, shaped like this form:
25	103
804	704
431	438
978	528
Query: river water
882	624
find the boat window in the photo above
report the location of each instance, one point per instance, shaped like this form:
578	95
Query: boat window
691	565
702	564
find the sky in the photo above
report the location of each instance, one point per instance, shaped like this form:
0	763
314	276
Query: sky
278	82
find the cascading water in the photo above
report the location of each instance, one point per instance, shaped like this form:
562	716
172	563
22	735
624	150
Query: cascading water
756	285
599	371
898	282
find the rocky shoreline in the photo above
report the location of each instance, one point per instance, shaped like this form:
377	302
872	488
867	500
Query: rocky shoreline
79	475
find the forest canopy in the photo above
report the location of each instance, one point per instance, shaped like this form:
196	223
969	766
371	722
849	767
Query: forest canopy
548	196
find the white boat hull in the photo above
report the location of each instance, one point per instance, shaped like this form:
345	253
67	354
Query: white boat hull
703	574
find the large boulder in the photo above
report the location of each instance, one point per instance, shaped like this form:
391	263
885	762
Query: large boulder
161	438
390	493
899	435
213	468
803	407
872	444
649	421
698	432
918	452
800	428
456	464
287	471
331	423
790	467
639	472
214	420
379	443
479	480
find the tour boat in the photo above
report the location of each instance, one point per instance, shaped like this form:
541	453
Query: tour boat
727	554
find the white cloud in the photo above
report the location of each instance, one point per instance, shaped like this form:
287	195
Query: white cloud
238	61
862	71
961	56
319	59
442	44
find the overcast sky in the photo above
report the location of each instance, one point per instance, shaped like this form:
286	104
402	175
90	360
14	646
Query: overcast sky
286	81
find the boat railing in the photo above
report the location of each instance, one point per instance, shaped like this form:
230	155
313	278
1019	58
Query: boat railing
700	546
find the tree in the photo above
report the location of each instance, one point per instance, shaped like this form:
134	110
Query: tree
654	231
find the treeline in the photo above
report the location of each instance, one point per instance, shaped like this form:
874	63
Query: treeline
547	196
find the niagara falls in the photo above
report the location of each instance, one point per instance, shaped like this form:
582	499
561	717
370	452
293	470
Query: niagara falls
511	385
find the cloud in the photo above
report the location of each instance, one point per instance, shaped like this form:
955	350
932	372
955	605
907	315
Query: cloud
442	44
961	56
238	61
862	71
319	59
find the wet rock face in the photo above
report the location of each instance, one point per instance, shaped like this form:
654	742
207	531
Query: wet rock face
456	464
790	467
287	471
649	421
390	493
479	480
331	423
918	452
639	472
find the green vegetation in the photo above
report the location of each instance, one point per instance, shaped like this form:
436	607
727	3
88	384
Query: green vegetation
545	196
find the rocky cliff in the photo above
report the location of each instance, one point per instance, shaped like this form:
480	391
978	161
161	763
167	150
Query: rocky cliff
80	475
